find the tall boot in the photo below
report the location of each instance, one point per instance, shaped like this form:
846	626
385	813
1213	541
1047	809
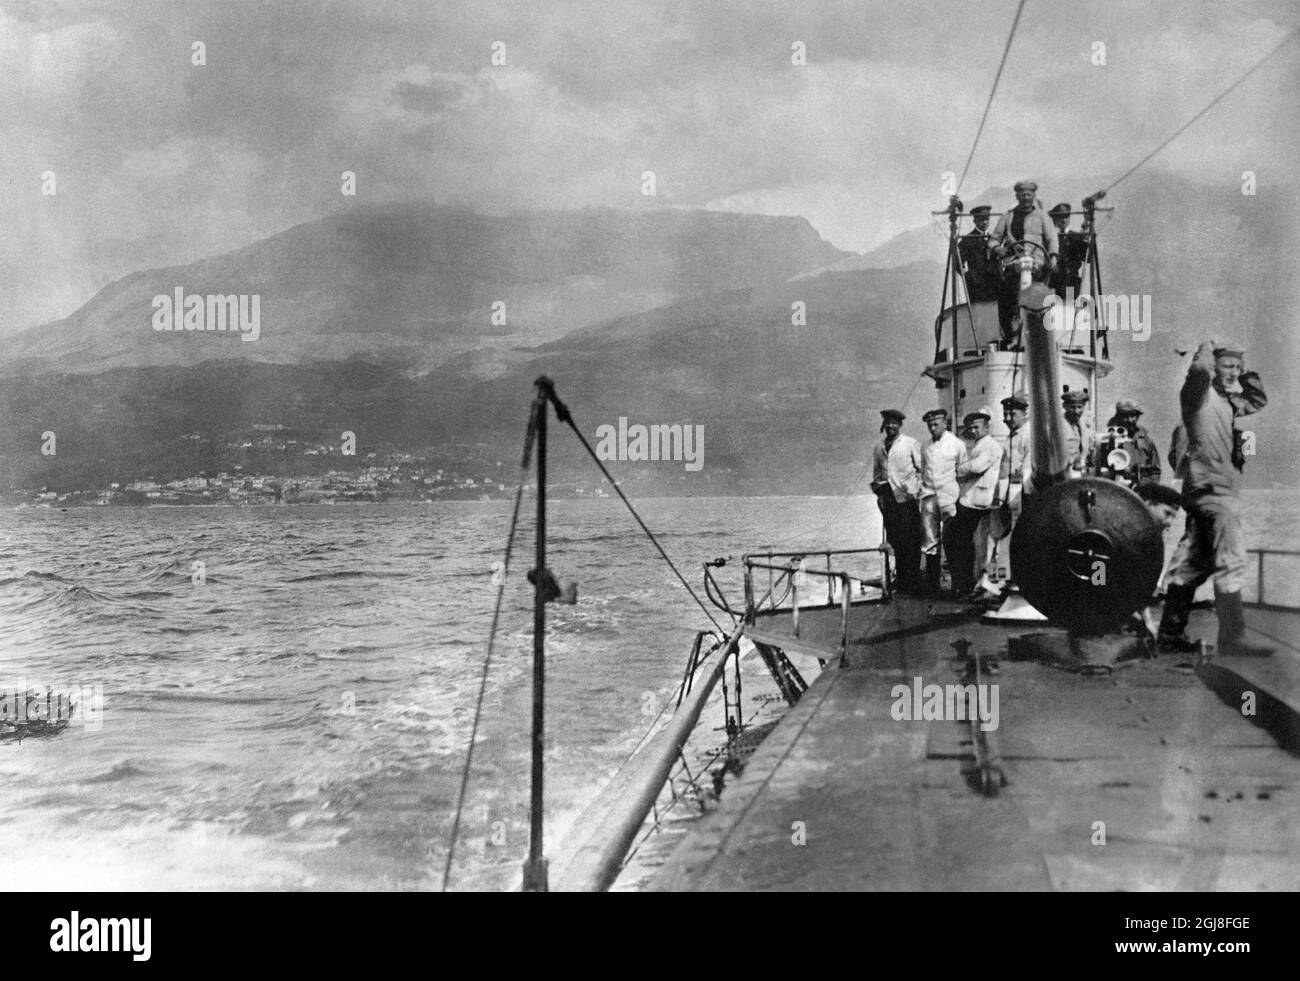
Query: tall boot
932	574
1232	628
1173	638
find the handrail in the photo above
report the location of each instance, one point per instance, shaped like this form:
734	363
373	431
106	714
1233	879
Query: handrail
1259	600
813	551
791	571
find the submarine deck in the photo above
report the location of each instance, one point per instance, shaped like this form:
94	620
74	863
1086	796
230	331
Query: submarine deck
1146	778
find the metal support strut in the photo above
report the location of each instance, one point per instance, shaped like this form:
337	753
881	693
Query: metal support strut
535	876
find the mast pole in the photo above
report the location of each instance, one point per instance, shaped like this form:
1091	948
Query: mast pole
535	873
943	298
954	264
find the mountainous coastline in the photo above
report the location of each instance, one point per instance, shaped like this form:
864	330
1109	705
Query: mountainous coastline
425	283
381	322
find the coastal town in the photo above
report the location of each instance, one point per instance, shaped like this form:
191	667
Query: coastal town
278	467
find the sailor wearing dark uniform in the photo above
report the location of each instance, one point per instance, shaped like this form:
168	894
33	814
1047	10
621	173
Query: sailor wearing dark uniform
896	479
1015	461
1080	439
978	478
980	268
1142	448
1074	251
940	456
1026	222
1217	391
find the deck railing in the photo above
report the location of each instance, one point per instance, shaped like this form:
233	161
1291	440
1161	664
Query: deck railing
784	570
1283	579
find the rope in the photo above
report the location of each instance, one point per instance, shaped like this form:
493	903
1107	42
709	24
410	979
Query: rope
989	105
487	661
562	413
1221	96
852	492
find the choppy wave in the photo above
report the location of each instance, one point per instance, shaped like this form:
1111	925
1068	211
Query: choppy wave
303	714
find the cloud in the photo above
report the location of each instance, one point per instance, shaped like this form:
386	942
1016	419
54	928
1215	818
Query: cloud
161	161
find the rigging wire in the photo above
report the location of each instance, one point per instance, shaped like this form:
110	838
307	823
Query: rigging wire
1219	98
853	491
566	417
613	483
562	413
993	91
487	661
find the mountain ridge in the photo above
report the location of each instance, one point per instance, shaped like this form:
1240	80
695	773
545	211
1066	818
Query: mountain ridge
784	360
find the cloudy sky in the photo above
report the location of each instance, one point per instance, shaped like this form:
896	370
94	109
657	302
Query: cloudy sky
159	161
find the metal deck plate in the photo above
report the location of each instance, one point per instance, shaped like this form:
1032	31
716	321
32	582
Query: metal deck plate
1189	793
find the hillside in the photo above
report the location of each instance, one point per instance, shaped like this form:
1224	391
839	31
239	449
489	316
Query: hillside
418	283
691	323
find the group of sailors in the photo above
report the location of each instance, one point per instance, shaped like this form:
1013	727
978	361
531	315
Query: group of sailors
965	495
967	492
1057	252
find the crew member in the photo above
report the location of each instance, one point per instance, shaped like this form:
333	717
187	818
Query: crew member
896	479
1080	440
1026	230
940	456
980	268
1177	448
1146	455
978	478
981	548
1013	475
1164	503
1074	251
1217	391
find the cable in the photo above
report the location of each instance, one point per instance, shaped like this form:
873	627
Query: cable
852	491
487	661
1221	96
562	413
989	105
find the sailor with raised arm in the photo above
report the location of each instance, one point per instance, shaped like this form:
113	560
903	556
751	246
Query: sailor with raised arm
1217	391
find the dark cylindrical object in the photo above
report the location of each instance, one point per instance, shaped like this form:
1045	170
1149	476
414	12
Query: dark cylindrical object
1042	370
535	871
1087	553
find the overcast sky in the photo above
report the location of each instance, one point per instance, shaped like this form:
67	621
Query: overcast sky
158	161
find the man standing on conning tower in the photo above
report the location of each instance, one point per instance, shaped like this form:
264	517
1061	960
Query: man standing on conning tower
1025	223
